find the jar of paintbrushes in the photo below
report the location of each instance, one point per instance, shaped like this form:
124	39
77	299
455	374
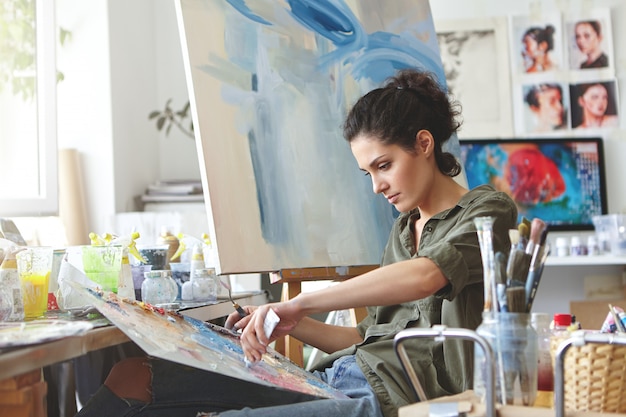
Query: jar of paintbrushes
515	346
505	326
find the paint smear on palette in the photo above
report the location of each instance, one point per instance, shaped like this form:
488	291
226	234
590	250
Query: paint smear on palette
171	336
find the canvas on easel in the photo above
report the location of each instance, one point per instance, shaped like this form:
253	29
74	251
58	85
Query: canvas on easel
270	85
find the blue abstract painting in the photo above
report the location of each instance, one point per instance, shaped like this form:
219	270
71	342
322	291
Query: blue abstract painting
270	83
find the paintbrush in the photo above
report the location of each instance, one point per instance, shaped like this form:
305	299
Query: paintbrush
501	279
514	237
524	232
537	229
236	305
516	299
534	276
517	268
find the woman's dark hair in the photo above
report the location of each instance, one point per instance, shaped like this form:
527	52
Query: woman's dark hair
410	101
532	96
595	25
542	35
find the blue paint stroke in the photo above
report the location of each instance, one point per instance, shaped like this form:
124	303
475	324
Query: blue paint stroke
289	82
241	7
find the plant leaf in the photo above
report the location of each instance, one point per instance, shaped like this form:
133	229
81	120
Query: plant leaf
161	122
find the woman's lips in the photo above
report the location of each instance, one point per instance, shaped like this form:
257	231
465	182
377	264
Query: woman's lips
393	198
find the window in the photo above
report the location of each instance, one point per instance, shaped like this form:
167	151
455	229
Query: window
28	146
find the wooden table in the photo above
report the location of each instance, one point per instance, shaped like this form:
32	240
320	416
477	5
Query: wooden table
17	361
20	360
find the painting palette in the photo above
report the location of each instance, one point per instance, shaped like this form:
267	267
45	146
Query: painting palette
171	336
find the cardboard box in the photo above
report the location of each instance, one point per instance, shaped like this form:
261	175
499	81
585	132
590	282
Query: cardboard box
591	314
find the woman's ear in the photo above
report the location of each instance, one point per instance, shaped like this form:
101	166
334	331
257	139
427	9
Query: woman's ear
425	142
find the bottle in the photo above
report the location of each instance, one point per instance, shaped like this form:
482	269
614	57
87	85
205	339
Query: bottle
158	287
10	287
204	285
167	238
576	247
562	246
560	328
197	260
545	374
125	285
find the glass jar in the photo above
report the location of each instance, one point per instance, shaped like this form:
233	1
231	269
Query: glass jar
514	344
204	285
545	374
158	287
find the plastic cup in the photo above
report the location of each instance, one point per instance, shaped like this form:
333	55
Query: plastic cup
155	255
34	265
102	265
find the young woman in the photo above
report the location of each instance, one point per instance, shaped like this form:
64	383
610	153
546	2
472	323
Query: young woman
431	273
537	44
545	101
594	103
589	41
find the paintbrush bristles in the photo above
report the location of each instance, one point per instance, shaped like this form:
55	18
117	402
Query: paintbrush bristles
516	299
536	230
514	237
523	230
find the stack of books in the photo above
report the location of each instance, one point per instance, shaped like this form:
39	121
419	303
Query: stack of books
172	191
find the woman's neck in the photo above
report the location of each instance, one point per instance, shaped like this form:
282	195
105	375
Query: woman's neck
593	55
445	194
592	120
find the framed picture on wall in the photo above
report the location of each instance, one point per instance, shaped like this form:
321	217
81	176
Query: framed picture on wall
536	44
590	41
473	52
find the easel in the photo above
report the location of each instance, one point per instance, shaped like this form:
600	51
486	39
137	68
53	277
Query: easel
292	286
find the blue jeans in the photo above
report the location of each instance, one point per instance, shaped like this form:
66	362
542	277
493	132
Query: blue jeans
181	391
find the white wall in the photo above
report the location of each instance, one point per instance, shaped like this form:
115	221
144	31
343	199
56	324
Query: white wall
122	62
560	284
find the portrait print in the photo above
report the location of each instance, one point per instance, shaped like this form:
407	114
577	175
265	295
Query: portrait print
545	107
590	43
594	105
536	46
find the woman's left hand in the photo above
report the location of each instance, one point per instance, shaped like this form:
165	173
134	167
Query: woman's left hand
254	341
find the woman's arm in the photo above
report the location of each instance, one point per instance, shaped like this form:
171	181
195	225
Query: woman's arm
392	284
326	337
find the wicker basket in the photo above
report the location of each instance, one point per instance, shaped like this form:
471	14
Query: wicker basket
595	377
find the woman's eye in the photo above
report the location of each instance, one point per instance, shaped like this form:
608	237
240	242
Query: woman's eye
384	166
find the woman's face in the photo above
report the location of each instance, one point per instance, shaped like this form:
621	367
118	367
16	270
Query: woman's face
530	46
587	39
595	100
550	109
397	174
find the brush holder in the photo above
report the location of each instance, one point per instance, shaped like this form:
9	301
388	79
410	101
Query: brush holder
515	346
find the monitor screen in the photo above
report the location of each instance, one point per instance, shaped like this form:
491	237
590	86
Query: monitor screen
559	180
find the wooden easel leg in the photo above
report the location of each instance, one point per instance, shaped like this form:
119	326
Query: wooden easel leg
290	346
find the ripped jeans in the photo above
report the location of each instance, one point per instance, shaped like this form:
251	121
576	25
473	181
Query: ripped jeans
181	391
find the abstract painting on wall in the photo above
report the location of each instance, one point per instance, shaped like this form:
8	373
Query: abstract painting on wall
270	84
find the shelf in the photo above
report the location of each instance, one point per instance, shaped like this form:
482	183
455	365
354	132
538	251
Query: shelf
585	260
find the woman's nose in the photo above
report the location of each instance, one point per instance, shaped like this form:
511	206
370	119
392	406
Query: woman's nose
378	186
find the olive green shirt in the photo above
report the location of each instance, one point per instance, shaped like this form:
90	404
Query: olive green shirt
450	240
